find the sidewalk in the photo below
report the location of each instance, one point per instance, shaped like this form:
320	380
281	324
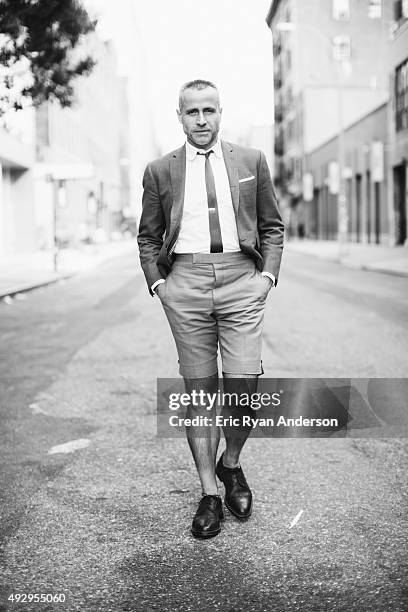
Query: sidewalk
32	270
378	258
28	271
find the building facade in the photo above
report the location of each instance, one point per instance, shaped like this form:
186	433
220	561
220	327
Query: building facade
397	167
330	70
366	184
81	155
65	172
261	137
17	158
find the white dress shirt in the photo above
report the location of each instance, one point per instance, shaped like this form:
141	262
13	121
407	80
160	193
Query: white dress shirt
194	235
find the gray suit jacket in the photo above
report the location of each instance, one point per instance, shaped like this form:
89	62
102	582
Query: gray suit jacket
259	223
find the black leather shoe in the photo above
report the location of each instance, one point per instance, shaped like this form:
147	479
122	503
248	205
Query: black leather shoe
238	496
207	519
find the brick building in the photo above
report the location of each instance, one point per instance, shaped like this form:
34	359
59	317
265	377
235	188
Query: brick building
330	70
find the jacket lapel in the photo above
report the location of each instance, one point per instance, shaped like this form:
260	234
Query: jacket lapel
178	179
231	163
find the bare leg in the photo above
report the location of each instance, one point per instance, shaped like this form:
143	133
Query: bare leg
236	437
204	440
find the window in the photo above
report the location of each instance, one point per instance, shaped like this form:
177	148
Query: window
291	130
277	43
400	9
401	97
341	10
289	97
341	48
288	59
297	168
375	9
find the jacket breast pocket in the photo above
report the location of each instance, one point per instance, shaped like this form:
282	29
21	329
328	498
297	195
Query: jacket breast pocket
247	193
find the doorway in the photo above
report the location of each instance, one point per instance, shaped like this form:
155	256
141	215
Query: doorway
358	206
400	204
368	205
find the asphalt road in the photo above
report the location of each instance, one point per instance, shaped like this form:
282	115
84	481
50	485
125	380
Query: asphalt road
107	523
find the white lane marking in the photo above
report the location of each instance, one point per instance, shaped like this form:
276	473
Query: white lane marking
69	447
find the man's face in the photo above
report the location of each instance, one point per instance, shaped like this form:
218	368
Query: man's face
200	116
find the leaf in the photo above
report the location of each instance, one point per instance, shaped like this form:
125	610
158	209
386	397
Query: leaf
69	447
45	32
296	519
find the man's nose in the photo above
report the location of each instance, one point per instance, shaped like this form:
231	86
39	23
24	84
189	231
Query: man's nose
201	120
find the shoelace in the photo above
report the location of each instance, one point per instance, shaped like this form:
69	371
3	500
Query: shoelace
208	501
238	475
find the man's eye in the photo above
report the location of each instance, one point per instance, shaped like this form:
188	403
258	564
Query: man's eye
209	111
192	113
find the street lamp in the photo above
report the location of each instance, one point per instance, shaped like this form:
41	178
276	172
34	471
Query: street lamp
342	213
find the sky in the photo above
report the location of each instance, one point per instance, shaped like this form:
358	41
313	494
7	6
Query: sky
163	43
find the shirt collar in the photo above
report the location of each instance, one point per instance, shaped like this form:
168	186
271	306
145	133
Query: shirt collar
191	151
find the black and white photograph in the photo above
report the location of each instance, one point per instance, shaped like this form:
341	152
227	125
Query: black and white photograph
203	305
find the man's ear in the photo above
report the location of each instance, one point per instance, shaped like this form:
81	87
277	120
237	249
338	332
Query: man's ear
179	115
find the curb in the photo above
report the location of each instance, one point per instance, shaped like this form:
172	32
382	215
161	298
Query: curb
368	268
352	265
32	286
25	288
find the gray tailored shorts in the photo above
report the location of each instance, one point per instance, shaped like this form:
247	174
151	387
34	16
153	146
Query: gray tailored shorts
211	300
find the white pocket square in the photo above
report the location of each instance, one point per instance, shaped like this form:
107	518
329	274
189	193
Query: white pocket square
244	180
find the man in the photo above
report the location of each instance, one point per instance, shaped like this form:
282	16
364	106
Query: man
211	240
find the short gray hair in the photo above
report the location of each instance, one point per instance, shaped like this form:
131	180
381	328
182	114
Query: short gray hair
196	84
